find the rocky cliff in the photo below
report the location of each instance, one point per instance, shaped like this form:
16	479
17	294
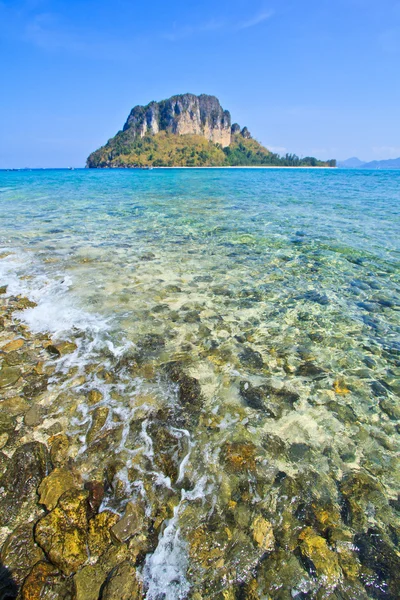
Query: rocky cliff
186	131
183	115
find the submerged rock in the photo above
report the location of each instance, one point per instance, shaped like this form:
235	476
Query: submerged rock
28	466
383	560
319	560
251	358
63	532
9	376
263	534
240	456
189	387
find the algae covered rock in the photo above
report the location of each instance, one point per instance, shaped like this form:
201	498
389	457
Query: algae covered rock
18	486
54	485
263	534
99	532
318	558
63	532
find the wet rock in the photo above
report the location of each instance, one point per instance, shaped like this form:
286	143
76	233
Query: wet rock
345	412
122	584
359	490
99	532
20	552
90	579
26	469
99	419
47	583
13	345
189	388
318	559
168	449
274	445
24	303
391	408
59	449
383	560
33	416
63	532
254	397
240	456
7	423
132	523
299	452
263	534
3	289
96	495
15	406
34	385
54	485
9	376
61	349
251	358
310	369
94	397
151	342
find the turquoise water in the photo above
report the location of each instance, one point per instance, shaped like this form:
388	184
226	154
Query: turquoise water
279	292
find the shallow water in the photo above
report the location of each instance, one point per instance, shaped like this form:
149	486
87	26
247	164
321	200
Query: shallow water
278	291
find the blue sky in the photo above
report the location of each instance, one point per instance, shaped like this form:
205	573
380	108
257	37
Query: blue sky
312	77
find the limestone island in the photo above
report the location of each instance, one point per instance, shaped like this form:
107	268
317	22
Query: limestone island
188	131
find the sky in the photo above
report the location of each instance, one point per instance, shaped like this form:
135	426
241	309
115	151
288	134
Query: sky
313	77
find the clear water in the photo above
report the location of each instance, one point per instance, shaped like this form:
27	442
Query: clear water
208	268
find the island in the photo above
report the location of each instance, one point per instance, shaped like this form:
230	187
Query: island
188	131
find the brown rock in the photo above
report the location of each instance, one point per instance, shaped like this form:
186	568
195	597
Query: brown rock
59	449
9	376
99	533
54	485
132	523
63	533
20	552
323	561
33	417
25	470
15	406
263	534
45	582
14	345
123	584
61	349
100	415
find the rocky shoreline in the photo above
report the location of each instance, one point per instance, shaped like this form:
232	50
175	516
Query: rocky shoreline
267	532
55	543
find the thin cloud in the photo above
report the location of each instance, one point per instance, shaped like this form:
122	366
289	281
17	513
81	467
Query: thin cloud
256	20
186	31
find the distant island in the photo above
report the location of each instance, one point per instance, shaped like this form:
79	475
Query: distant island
356	163
188	131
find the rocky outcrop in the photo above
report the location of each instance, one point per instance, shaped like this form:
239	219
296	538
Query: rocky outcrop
185	114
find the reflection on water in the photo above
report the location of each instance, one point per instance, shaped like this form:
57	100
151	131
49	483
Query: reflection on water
237	371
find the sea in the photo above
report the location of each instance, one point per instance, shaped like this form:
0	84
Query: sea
243	329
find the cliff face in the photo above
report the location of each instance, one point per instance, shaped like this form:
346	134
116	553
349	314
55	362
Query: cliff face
182	115
187	131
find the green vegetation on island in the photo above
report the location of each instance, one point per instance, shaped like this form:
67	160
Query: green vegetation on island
188	131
